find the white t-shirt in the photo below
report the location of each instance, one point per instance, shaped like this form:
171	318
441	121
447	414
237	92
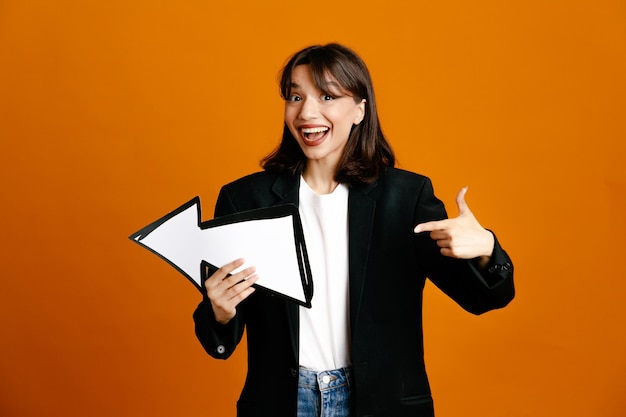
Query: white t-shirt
325	328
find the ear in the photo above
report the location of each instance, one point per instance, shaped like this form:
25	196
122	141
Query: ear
360	112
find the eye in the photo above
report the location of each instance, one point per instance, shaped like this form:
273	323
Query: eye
294	97
327	97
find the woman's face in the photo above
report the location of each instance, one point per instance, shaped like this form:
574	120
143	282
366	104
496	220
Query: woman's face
320	122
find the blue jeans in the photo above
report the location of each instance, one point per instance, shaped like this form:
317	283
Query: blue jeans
324	394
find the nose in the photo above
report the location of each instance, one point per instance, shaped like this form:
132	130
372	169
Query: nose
309	109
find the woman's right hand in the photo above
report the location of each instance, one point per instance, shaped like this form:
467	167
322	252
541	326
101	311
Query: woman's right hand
227	291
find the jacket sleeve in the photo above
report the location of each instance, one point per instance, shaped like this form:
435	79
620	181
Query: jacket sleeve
477	291
219	340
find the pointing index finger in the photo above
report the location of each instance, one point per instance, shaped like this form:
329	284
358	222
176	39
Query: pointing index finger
430	226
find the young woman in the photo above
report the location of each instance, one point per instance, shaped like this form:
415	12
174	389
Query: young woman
374	233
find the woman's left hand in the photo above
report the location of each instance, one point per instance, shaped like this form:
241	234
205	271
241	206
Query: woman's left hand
461	237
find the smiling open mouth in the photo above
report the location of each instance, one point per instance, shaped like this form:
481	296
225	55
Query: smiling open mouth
313	134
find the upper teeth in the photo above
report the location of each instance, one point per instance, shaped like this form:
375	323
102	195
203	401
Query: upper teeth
314	129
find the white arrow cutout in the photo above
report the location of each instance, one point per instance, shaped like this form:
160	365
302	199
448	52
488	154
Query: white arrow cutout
267	244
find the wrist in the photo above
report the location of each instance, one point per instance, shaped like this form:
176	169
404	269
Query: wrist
483	259
490	242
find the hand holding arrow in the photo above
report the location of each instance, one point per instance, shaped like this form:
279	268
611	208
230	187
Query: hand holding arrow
226	291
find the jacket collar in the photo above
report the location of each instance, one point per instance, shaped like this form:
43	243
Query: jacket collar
286	188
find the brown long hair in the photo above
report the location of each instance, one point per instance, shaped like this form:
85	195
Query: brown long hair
367	151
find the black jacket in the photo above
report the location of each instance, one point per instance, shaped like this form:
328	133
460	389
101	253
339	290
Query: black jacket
388	266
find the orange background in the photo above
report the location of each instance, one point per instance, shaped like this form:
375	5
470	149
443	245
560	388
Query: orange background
113	113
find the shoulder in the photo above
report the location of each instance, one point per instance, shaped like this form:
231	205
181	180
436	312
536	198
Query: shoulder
402	191
403	174
261	189
404	188
401	179
262	179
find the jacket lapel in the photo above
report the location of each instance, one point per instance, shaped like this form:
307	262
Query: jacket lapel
361	210
286	188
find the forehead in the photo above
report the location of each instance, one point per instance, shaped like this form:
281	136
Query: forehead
303	76
301	73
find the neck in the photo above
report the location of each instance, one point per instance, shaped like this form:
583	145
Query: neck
320	179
